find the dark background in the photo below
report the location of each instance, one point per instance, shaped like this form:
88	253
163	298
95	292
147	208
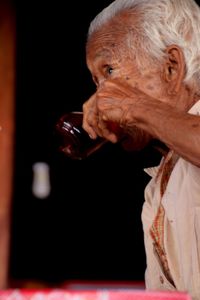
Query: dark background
89	228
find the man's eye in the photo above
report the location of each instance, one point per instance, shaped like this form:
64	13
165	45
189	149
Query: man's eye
109	70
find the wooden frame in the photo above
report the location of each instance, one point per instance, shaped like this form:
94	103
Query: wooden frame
7	129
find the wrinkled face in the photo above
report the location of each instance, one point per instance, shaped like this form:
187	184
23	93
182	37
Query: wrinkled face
108	57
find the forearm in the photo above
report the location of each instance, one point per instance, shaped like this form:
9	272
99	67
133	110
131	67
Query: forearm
178	130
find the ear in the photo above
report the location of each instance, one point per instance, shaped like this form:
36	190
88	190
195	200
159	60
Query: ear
174	68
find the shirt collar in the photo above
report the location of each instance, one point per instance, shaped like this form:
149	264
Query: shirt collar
195	109
152	171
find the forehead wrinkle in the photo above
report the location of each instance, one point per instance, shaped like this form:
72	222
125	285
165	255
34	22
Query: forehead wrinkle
102	52
107	38
99	50
102	41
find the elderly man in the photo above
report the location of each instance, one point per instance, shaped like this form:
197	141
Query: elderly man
144	57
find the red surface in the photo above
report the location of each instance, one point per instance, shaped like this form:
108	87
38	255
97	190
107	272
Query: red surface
99	285
60	294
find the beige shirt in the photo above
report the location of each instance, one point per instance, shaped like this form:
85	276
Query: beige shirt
181	202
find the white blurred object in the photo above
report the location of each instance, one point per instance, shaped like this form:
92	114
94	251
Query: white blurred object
41	187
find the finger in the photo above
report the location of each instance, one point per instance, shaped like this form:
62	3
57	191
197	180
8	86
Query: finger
90	116
108	130
112	137
112	114
90	123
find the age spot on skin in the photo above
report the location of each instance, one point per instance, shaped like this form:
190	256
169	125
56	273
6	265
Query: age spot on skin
150	87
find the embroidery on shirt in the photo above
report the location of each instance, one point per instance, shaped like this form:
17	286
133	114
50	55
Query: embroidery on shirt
157	228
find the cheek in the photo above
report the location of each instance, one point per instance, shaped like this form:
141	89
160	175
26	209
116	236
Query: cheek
153	87
128	71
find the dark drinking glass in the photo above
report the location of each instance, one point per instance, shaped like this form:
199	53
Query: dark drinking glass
73	140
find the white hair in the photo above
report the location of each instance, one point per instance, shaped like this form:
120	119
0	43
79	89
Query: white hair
163	23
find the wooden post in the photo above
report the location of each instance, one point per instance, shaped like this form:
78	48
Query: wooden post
7	129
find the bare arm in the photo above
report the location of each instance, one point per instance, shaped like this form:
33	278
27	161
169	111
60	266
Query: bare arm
180	131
